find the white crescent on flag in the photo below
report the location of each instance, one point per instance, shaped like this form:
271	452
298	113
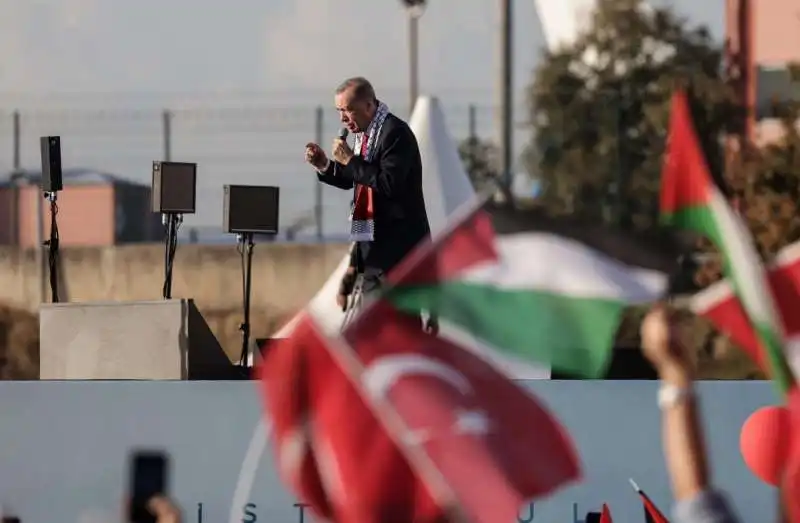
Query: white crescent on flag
381	375
379	378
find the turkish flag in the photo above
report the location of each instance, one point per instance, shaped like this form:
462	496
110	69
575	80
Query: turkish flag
490	443
719	304
330	448
284	376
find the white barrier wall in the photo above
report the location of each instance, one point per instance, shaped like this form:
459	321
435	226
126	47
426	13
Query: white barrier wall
64	445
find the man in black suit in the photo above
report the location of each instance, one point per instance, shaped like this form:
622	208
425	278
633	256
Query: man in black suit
385	171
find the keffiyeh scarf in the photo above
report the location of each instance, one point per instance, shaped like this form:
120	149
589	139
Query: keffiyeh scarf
362	224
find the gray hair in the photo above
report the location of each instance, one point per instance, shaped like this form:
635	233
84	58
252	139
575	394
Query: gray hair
362	89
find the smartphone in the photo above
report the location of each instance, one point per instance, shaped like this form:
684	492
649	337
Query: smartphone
149	472
593	517
9	519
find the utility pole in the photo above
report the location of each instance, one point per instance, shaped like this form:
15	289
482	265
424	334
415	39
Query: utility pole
414	9
741	74
741	65
505	92
413	61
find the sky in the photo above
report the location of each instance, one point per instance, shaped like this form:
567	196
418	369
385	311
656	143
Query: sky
243	66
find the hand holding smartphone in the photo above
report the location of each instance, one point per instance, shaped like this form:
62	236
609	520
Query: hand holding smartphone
149	476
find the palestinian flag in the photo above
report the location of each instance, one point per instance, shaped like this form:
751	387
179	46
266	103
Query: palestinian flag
690	200
720	306
651	512
535	288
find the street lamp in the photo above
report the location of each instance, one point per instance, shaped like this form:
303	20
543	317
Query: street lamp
414	8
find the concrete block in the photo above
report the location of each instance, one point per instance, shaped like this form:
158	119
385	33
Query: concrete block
148	340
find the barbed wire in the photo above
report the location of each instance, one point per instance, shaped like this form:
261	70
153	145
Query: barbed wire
244	144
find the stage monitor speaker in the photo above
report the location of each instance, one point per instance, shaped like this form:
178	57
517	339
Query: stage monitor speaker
52	180
174	188
251	209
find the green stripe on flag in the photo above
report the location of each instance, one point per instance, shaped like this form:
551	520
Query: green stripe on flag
697	219
573	334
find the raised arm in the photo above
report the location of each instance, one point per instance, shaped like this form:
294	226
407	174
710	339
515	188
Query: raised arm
334	176
328	171
682	434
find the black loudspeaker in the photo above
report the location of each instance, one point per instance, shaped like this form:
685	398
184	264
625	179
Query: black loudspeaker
51	163
174	188
250	209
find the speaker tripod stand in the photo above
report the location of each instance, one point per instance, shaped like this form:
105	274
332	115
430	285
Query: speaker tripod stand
52	245
245	248
172	222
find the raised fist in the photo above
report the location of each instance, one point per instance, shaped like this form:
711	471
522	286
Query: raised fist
316	156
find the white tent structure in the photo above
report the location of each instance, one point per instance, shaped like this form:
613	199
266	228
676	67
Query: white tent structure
445	184
564	20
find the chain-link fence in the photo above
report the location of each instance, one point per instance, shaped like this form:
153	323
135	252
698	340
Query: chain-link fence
259	145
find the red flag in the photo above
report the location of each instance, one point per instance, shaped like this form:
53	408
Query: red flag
719	304
651	512
605	515
330	448
491	443
791	477
284	377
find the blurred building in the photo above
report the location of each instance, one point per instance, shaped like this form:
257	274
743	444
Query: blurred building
94	209
763	41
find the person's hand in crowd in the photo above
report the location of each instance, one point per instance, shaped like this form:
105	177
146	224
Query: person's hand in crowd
684	446
661	346
164	510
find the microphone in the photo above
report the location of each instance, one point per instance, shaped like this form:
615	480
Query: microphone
343	132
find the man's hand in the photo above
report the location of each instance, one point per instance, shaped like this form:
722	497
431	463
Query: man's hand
661	346
341	301
346	288
342	152
316	156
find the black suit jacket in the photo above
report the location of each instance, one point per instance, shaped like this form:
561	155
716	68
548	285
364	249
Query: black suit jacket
395	176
